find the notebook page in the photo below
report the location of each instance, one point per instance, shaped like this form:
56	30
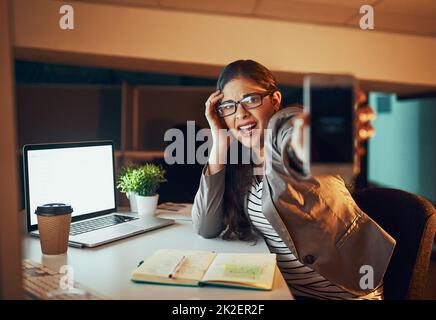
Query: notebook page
164	261
250	269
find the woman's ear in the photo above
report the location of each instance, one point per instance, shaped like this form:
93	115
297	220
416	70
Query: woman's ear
276	100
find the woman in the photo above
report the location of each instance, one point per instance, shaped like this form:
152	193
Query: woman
324	243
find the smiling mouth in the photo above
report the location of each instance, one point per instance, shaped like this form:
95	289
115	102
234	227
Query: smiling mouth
247	130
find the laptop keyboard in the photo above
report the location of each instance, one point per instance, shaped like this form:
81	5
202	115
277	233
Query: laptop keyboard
99	223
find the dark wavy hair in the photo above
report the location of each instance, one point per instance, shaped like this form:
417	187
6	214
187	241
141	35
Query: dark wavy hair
239	176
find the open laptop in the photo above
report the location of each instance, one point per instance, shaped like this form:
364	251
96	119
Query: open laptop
83	176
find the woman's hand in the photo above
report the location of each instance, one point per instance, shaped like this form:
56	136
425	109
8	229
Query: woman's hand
220	141
364	130
364	116
215	122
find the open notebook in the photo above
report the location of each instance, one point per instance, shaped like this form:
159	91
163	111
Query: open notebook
197	268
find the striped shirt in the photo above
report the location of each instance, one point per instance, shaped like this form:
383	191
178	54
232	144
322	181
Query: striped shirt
302	280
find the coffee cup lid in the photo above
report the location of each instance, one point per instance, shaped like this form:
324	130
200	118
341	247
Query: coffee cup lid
53	209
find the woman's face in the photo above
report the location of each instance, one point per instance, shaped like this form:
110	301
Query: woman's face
248	125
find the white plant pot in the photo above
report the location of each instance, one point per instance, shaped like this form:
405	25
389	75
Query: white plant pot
147	205
132	199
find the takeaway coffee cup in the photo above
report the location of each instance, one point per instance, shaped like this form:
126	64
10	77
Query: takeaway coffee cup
54	227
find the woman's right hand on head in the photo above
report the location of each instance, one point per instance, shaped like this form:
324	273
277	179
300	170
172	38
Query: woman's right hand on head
212	117
220	134
220	141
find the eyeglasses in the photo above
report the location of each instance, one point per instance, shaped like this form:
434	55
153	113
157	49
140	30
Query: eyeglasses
249	101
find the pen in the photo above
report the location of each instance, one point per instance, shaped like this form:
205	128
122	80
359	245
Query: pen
177	267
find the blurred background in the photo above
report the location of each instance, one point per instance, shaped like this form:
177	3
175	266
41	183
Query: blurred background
131	69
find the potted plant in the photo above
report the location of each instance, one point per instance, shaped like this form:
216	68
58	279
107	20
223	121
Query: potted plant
127	183
148	179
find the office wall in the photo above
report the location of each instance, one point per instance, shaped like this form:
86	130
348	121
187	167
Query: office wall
403	152
162	108
200	44
50	113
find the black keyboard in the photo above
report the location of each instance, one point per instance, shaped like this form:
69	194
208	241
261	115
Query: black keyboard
99	223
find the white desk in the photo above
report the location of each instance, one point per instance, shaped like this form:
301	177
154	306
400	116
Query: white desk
107	268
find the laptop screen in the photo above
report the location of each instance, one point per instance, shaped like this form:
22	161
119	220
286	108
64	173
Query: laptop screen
81	176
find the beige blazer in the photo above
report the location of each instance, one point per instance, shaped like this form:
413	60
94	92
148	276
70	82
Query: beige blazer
316	217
